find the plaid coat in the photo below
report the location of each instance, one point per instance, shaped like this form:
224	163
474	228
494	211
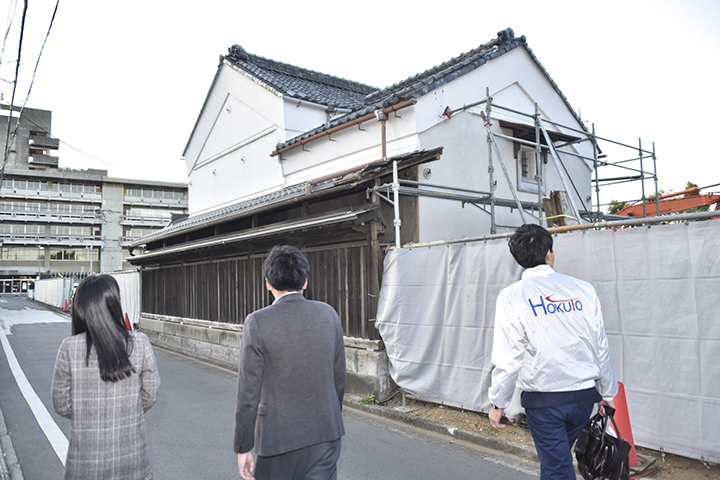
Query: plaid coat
107	434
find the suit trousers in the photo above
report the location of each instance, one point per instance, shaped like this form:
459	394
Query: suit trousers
554	430
316	462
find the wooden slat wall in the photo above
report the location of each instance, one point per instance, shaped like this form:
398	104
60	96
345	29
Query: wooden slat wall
228	290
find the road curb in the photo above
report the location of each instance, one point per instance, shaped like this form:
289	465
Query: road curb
9	465
486	441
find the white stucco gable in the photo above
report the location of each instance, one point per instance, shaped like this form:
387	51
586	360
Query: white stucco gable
244	116
267	126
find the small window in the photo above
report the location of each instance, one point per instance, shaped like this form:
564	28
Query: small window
527	168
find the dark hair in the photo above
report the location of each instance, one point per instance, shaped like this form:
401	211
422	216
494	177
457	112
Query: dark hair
97	312
530	244
286	268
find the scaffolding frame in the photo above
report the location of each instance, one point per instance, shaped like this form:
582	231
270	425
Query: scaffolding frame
487	201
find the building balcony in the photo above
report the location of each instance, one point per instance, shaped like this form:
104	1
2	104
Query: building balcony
44	194
47	240
44	142
136	220
50	217
155	201
43	160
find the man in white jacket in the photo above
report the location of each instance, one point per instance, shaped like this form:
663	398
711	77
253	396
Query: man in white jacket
550	341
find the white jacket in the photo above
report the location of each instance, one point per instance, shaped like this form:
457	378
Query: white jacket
549	337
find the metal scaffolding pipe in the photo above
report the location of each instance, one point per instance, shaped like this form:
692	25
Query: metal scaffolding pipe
397	221
582	132
491	169
491	135
469	105
560	170
519	140
642	178
432	185
595	165
538	163
620	144
680	217
657	192
508	109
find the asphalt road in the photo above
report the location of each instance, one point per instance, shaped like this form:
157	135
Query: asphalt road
191	425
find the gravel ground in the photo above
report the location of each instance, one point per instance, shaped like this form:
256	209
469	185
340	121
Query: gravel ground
671	467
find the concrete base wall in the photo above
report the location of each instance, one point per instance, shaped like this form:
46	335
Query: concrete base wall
219	344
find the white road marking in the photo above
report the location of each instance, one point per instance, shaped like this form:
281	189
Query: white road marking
514	465
47	424
28	316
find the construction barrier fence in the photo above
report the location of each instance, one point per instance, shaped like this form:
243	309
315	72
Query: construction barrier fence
658	287
57	292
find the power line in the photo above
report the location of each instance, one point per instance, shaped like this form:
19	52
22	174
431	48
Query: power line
12	101
9	21
41	128
32	81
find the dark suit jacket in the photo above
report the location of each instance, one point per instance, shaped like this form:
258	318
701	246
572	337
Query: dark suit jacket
291	380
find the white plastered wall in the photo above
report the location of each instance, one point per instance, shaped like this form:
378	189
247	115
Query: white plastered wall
228	156
514	81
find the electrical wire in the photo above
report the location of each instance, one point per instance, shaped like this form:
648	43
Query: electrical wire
9	22
42	129
12	101
32	81
37	63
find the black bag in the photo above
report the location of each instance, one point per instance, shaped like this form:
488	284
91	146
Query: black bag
601	456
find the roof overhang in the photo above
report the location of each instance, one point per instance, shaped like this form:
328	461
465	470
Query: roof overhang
327	185
525	130
355	217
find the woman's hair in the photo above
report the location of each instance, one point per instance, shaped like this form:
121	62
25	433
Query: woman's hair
529	245
286	268
97	312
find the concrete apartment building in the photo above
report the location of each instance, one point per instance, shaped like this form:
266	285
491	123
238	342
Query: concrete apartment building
56	221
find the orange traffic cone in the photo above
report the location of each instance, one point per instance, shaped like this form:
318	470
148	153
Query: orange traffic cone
622	418
66	307
127	324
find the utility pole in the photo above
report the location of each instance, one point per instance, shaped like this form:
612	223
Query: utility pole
102	212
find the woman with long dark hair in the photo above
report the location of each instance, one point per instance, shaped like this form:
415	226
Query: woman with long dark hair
105	380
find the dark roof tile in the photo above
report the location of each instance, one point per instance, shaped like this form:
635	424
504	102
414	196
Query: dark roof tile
424	82
301	83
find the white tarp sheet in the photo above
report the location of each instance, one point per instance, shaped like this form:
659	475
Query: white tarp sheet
57	291
659	288
54	291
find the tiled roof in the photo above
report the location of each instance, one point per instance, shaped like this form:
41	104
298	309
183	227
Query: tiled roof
301	83
285	195
439	75
223	214
423	83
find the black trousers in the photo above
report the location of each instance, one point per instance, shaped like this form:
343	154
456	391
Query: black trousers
316	462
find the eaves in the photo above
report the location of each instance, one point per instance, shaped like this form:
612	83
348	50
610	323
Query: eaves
354	216
340	181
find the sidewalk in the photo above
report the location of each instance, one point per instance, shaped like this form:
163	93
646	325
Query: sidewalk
524	452
515	440
9	466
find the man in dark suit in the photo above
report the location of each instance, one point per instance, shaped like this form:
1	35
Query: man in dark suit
291	380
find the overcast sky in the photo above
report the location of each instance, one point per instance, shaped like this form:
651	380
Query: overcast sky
125	81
